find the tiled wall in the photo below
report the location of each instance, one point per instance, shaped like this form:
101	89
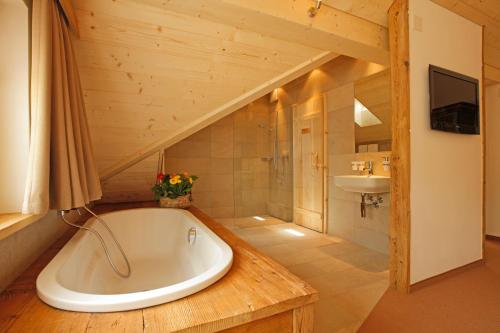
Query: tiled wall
230	159
344	212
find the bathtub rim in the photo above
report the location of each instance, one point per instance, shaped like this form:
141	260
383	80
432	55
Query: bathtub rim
51	292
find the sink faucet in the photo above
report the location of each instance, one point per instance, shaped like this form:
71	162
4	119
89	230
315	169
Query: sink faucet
362	166
369	167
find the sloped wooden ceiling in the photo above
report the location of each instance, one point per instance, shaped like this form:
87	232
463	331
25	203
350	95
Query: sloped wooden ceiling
487	14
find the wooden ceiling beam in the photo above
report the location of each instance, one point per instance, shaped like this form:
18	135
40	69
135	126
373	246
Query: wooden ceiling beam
371	10
330	30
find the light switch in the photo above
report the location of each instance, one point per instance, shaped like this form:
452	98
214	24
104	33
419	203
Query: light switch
418	23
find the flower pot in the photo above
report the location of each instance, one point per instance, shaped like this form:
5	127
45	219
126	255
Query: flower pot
179	202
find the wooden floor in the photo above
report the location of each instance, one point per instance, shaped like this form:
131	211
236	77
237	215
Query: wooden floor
257	295
465	301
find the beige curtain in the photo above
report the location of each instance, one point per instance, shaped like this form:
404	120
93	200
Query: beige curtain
61	170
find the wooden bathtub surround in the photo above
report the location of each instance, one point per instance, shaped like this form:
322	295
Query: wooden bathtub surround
257	295
400	158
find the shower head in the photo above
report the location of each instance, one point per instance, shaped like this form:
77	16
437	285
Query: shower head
313	10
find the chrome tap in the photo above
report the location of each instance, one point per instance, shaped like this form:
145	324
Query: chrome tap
369	167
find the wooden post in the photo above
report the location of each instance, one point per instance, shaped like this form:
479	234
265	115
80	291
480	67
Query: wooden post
482	118
400	164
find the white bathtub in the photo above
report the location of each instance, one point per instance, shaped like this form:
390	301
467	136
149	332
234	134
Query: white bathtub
165	265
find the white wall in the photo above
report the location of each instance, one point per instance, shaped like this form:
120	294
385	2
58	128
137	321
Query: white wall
492	97
446	168
14	103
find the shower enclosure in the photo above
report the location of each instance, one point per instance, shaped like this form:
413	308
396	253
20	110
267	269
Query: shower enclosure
279	162
263	161
280	201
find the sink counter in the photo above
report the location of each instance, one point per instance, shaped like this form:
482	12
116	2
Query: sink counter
257	295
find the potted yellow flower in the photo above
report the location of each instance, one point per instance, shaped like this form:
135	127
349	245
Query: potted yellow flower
174	190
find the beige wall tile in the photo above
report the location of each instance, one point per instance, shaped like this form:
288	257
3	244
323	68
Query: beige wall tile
202	184
222	133
202	199
194	166
221	165
226	121
188	149
221	149
202	135
222	198
221	182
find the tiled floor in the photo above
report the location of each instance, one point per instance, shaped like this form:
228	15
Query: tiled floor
349	277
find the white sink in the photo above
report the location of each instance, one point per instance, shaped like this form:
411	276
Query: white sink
364	184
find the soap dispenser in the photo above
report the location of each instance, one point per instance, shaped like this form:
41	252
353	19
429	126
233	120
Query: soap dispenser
386	164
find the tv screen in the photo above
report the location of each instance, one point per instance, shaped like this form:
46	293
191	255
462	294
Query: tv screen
454	101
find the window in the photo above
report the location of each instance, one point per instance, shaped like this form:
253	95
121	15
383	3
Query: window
14	103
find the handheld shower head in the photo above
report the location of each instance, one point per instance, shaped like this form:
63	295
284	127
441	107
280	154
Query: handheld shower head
313	10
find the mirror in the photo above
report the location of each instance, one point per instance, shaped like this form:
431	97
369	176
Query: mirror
372	112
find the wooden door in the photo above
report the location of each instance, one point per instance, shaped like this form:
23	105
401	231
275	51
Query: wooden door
309	157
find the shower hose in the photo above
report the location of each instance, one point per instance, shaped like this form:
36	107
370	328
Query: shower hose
101	240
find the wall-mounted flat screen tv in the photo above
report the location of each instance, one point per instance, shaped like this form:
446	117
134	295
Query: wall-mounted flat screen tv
454	101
